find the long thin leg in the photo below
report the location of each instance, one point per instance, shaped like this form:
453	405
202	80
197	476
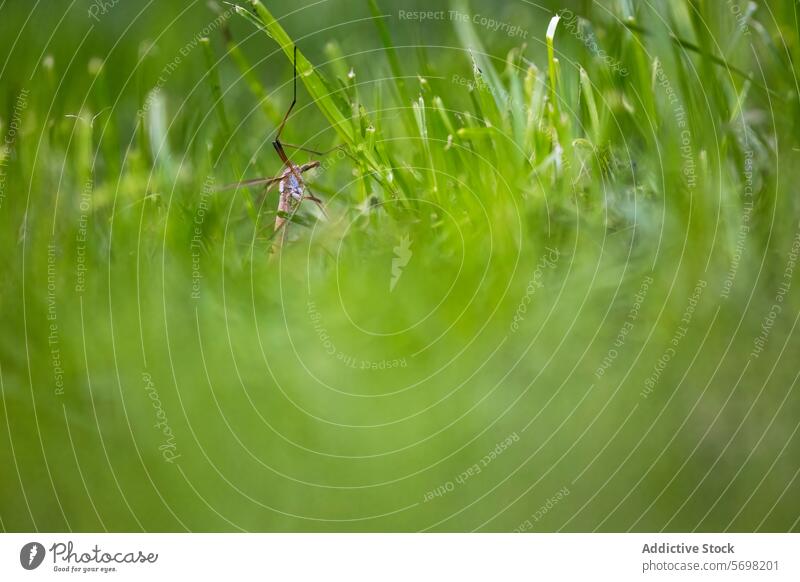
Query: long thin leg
316	201
268	182
294	100
282	154
277	142
310	151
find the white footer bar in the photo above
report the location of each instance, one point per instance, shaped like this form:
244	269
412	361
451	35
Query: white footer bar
355	557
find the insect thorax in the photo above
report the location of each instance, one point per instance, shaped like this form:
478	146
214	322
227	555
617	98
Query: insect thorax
291	183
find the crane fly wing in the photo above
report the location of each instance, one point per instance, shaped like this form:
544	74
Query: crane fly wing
248	183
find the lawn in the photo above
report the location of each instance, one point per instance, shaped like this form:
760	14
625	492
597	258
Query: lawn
553	286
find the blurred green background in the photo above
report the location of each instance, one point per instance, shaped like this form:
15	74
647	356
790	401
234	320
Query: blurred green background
552	293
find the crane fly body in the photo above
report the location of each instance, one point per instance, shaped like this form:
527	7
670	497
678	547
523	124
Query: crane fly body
291	183
292	189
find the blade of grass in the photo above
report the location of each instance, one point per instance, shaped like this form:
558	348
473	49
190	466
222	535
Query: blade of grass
685	44
591	106
419	114
252	80
225	135
551	67
391	51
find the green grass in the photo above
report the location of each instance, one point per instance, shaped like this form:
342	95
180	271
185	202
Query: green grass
520	230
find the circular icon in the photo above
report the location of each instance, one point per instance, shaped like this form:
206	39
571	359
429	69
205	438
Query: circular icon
31	555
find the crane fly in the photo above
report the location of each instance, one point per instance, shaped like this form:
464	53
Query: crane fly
292	189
